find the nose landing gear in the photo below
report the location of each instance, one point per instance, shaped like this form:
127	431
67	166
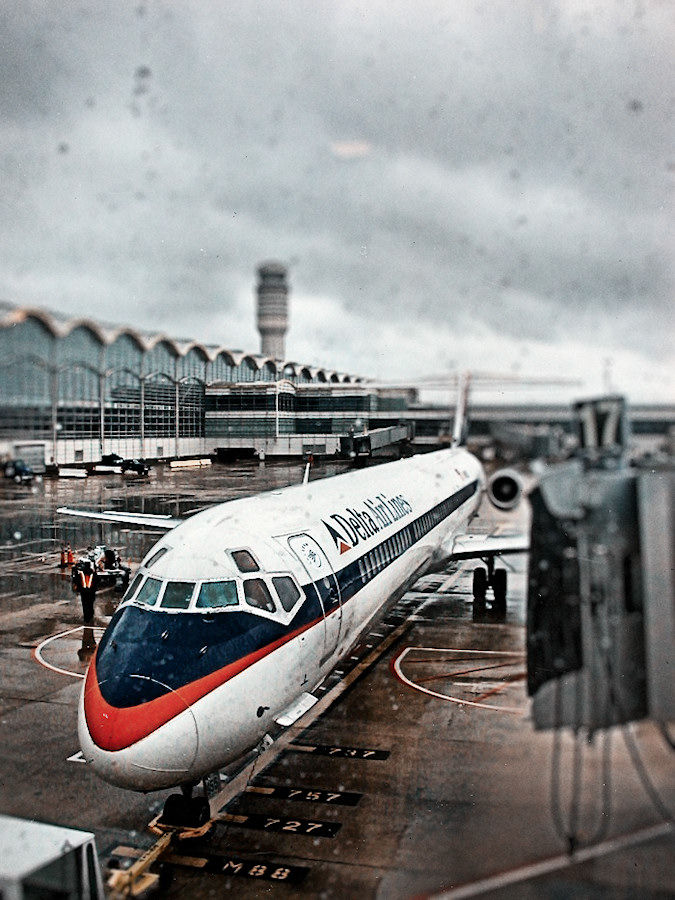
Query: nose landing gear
183	811
184	818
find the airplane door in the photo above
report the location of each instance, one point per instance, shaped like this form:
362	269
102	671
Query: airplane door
316	564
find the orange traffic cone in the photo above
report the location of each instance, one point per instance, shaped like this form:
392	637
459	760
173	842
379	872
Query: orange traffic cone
70	556
63	558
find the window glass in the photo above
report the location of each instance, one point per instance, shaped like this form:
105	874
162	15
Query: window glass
245	561
177	595
155	556
287	590
149	592
56	880
133	587
257	594
92	872
217	593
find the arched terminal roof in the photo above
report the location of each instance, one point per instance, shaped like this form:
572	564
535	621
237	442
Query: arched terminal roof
60	327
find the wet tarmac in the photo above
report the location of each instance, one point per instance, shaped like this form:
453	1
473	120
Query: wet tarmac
417	775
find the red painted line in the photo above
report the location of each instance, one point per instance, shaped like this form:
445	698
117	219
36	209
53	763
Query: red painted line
395	667
461	672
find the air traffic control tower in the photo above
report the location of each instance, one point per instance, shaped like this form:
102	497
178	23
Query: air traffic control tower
272	309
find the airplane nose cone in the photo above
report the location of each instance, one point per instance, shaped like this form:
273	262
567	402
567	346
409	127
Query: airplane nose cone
153	744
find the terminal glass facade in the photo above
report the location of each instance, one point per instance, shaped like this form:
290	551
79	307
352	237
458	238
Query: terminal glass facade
83	390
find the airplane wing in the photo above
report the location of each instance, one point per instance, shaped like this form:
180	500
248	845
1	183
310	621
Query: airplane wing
479	546
150	520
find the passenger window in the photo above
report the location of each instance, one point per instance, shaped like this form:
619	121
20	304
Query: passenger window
245	561
177	595
257	594
149	592
213	594
287	590
133	587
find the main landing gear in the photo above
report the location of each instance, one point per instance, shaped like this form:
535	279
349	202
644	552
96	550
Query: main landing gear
485	577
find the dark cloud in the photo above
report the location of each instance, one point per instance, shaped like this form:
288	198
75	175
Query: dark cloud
491	171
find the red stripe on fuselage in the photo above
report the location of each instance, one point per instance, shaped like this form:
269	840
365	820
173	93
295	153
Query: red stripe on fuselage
116	728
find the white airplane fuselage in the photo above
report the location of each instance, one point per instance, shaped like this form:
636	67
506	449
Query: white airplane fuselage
242	608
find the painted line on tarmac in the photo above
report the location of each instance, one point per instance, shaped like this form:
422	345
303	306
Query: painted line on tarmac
554	864
396	667
37	652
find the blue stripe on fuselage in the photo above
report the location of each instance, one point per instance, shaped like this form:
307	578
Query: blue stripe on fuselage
353	577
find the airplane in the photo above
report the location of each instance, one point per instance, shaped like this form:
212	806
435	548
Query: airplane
240	611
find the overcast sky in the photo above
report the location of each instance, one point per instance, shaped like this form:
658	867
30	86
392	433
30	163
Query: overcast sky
452	183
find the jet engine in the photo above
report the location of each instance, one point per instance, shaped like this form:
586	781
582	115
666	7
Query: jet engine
505	488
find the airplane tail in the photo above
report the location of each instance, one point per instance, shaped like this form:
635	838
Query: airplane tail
460	428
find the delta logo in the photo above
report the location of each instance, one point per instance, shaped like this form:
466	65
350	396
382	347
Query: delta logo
371	516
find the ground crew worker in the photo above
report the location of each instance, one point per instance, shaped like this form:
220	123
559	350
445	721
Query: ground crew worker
85	583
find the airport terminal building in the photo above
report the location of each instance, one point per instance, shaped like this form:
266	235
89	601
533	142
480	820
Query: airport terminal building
73	390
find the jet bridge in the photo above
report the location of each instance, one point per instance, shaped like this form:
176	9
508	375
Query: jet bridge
41	860
601	597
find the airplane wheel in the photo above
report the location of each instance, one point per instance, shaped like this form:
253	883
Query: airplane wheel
499	587
175	810
201	811
479	584
479	611
189	812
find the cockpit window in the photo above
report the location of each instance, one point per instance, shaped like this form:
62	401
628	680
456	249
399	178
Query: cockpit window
133	587
287	590
149	592
213	594
155	556
177	594
257	594
245	561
